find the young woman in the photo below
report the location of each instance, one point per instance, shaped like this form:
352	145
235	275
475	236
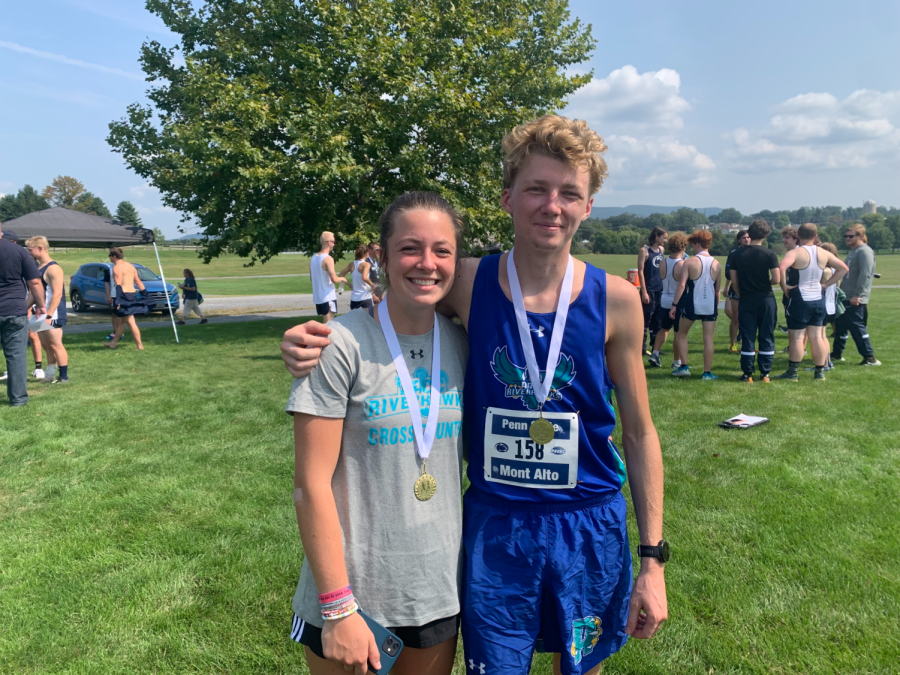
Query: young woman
361	293
699	282
376	485
191	298
731	297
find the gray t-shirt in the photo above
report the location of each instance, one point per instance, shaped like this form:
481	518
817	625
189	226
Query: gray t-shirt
402	554
858	282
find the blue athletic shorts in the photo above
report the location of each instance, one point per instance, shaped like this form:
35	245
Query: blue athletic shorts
544	578
802	313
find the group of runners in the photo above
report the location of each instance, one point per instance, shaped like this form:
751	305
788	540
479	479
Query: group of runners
678	290
514	360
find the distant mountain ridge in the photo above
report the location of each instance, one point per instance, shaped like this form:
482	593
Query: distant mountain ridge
643	210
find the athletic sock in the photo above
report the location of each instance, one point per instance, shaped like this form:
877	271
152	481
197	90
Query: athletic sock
64	372
676	364
38	364
655	352
820	370
793	367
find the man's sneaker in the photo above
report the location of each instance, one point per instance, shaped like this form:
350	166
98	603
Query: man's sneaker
61	381
180	323
786	350
682	371
788	375
746	378
38	374
820	375
647	352
4	376
765	379
783	329
870	362
709	376
734	349
204	320
836	359
653	360
49	375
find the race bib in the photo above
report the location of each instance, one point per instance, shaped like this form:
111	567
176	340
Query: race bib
511	457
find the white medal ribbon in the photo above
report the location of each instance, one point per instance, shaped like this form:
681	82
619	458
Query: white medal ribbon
541	387
424	440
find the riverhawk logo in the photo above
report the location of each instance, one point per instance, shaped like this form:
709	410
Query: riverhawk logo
518	383
585	636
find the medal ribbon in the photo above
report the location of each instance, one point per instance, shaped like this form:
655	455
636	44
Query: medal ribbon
424	440
541	387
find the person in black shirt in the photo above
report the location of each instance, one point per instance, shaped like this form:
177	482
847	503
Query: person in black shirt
649	259
17	273
754	270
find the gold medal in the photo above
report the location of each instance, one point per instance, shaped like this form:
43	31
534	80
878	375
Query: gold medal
541	431
426	486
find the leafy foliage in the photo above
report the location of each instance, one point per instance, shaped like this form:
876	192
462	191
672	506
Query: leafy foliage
289	118
26	200
63	191
88	202
126	213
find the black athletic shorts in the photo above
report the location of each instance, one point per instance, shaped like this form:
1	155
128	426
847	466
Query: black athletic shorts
731	294
323	308
688	313
415	637
802	313
662	316
362	303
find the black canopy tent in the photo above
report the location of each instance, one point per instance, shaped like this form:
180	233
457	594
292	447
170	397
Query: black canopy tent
65	227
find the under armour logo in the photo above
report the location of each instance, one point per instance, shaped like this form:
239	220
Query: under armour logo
480	666
539	330
421	353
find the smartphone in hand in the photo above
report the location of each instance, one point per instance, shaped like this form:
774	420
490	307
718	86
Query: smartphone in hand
389	645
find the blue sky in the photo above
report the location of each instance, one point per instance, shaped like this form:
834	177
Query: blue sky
762	105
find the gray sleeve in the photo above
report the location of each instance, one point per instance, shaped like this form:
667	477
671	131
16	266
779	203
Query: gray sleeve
326	390
866	269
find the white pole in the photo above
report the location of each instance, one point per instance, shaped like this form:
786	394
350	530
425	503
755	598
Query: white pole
166	291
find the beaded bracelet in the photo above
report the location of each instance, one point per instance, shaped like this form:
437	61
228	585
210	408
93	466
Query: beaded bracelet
338	604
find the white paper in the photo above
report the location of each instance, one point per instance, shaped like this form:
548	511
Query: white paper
745	421
38	323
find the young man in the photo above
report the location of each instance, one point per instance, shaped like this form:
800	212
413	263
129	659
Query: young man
791	241
857	286
127	303
676	245
754	270
731	298
649	259
535	491
807	301
321	273
18	277
699	285
54	295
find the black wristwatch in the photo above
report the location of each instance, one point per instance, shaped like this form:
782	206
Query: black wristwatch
660	551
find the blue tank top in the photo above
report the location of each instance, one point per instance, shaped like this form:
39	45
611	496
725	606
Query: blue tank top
497	378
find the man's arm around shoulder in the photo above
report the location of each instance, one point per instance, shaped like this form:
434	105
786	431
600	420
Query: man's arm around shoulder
640	443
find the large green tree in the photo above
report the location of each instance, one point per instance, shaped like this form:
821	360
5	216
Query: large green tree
26	200
126	213
90	203
63	191
272	120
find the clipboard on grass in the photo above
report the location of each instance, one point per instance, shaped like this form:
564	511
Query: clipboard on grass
743	422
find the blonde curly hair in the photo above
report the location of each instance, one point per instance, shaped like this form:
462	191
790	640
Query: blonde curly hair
571	141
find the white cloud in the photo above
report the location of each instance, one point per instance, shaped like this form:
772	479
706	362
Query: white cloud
818	131
656	162
627	98
148	193
59	58
143	191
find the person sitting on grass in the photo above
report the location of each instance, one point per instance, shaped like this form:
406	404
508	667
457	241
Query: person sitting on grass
191	298
667	272
382	531
128	302
698	296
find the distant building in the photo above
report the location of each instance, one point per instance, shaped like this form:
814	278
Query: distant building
869	207
728	228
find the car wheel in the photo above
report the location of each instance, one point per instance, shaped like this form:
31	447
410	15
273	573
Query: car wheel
78	303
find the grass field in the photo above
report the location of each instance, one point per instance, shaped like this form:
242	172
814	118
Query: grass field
146	521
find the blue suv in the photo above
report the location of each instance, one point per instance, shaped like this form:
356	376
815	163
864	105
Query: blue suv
87	287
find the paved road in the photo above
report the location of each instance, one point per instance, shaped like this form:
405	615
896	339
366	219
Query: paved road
254	276
269	302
